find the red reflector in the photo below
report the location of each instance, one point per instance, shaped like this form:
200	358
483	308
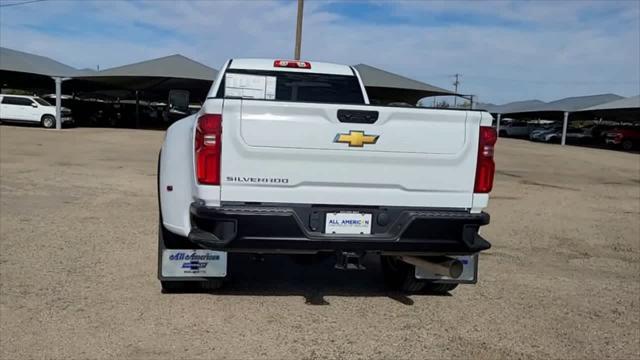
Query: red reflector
485	167
292	64
207	146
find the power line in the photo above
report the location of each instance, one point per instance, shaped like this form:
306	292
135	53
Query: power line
21	3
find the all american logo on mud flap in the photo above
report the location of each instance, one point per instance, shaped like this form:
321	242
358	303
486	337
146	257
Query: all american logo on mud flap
194	263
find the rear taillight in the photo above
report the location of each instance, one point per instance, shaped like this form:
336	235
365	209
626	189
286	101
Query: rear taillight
486	167
292	64
207	146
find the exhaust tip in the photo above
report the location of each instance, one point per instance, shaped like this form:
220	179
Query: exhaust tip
443	265
455	269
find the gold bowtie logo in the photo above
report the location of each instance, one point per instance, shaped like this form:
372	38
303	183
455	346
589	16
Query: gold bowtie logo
356	138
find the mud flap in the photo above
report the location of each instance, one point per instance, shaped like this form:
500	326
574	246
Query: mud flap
191	263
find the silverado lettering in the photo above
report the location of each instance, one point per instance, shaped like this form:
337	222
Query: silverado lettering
244	179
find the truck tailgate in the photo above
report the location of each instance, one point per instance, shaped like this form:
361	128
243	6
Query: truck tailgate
286	152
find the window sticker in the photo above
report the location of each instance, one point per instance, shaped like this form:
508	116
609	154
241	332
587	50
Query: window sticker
250	86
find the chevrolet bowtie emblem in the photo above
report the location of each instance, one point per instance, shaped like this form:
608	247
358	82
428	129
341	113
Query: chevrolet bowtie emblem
356	138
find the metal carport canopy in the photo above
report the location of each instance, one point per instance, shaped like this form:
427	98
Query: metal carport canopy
388	87
632	102
555	109
18	61
172	66
624	110
21	65
154	76
169	72
512	107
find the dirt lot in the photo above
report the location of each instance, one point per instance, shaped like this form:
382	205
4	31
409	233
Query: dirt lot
78	222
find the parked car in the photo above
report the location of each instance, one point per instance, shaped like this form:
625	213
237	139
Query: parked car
540	133
91	109
627	138
32	110
515	129
599	132
575	135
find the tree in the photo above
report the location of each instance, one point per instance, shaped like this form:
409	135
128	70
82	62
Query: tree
442	104
465	105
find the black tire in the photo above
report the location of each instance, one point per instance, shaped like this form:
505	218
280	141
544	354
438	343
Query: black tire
309	259
172	287
177	287
211	285
627	144
436	288
48	122
503	133
112	122
399	275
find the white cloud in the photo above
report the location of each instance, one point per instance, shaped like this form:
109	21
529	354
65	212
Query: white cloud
561	49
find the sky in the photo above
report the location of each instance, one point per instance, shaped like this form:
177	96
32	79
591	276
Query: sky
504	50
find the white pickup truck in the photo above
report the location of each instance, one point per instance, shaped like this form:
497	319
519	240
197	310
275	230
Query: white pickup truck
289	157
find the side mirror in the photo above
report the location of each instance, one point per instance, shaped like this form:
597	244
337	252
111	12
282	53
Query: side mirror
179	101
34	105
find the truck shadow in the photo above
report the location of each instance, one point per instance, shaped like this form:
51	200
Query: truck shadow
280	275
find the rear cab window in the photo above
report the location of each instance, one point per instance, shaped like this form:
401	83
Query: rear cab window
305	87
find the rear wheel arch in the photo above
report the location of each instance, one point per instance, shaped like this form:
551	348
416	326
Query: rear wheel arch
45	121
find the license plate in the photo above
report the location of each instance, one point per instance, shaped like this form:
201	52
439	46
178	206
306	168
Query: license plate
347	223
194	263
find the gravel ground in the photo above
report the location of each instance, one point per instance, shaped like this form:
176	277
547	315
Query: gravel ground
78	223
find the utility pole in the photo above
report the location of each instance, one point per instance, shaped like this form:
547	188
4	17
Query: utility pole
299	29
455	84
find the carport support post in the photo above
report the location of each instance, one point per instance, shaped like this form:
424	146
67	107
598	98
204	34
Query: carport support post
137	110
498	124
58	81
565	123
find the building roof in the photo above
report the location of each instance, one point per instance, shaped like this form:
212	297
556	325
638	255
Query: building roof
18	61
172	66
374	77
626	103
